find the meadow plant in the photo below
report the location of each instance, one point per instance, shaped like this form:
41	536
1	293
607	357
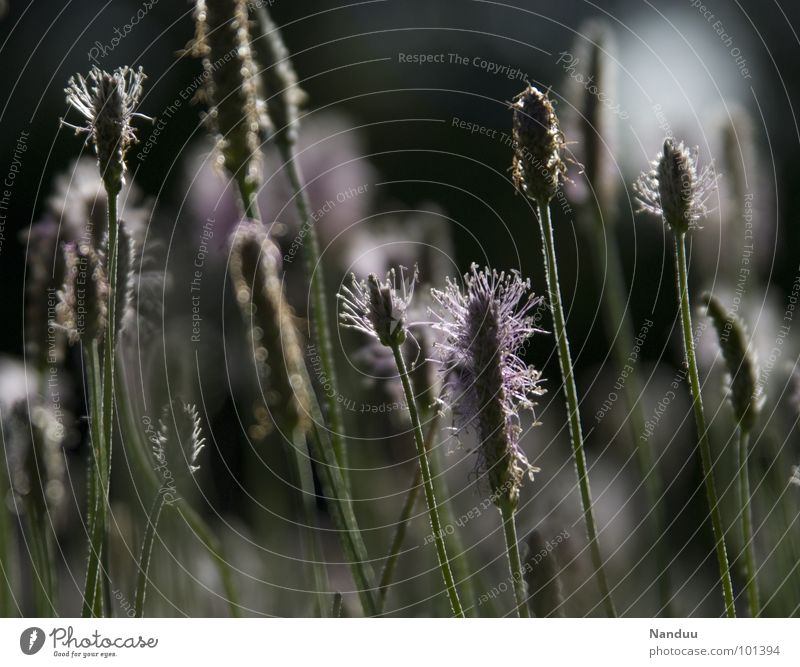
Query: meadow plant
88	273
378	308
677	190
746	399
539	170
108	103
488	385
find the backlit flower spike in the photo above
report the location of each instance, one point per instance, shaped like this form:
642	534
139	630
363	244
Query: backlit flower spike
676	188
487	384
377	307
108	102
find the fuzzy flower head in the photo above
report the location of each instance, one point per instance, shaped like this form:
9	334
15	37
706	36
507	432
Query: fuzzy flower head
108	103
744	393
232	86
378	308
176	447
255	272
538	166
676	188
486	324
82	309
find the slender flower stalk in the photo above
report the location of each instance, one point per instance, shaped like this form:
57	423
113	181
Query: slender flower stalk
485	327
193	442
401	525
677	191
430	415
595	127
284	98
539	170
378	309
193	521
427	479
108	102
746	401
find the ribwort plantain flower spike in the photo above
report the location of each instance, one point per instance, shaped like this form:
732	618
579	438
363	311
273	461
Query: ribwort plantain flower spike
740	363
254	270
539	170
82	307
746	402
677	191
124	296
108	102
378	308
236	113
592	119
487	384
538	166
676	188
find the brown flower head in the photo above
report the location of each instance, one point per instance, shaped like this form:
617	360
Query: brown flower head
538	165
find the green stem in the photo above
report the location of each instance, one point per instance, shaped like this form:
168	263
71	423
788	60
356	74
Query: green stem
619	330
305	477
401	528
512	549
319	310
702	432
746	516
341	508
100	536
453	541
576	436
96	511
41	561
143	576
427	481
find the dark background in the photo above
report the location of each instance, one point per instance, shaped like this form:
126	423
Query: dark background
43	43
